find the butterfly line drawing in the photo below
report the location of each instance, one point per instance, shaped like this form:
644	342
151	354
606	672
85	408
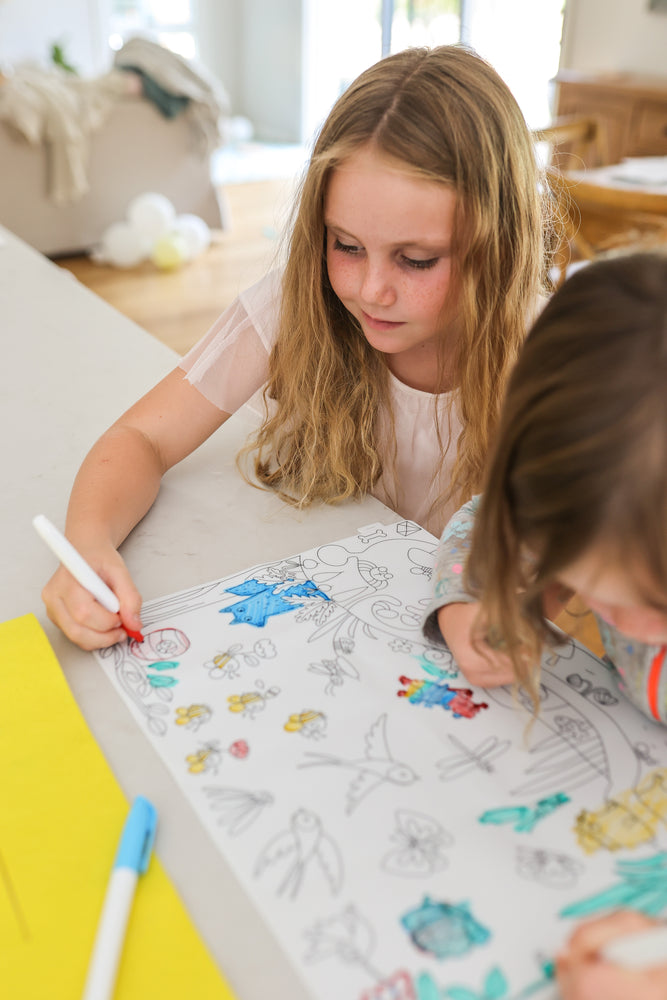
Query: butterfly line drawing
419	840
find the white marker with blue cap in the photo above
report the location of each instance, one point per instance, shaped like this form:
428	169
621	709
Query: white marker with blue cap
79	568
131	861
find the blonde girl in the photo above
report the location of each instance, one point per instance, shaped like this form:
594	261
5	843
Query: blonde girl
414	265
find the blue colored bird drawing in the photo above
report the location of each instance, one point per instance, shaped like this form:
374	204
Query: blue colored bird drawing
264	600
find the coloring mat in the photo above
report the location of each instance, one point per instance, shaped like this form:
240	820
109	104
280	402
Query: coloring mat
396	829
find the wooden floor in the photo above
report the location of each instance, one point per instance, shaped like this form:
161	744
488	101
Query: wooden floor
178	307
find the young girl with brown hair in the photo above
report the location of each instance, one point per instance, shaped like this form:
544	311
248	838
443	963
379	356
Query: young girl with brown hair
413	268
575	498
576	493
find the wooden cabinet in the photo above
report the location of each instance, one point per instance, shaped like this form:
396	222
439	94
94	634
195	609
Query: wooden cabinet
632	109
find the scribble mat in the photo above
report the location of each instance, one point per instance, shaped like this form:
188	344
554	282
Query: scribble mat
394	827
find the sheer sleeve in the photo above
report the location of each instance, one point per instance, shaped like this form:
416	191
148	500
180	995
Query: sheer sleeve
230	363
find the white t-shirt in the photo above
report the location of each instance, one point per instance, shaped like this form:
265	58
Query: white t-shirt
230	364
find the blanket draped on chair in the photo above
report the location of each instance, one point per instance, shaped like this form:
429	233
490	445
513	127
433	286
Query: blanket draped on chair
62	110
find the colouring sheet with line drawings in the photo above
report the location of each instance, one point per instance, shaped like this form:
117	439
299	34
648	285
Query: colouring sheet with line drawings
399	831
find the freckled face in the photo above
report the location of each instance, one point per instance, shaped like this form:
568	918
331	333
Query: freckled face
388	257
611	592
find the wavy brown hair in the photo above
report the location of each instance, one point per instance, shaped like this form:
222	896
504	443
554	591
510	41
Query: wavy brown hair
581	454
442	114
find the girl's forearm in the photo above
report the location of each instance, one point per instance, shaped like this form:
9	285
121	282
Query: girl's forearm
114	488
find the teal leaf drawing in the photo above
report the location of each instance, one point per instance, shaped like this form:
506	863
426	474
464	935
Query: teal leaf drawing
460	993
495	985
426	987
161	680
495	988
163	665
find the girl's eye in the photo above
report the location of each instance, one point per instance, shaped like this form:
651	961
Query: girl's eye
411	262
420	265
346	247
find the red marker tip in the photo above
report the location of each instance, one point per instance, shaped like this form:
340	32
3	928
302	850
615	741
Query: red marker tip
133	634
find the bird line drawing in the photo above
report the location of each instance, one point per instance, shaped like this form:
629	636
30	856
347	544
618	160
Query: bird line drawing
294	851
375	768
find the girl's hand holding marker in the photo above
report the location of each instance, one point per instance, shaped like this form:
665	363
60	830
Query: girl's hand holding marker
622	956
80	570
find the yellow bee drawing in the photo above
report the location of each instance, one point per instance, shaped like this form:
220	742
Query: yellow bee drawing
220	660
206	759
224	664
193	716
308	723
251	702
239	702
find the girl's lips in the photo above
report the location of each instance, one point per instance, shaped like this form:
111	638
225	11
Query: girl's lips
379	324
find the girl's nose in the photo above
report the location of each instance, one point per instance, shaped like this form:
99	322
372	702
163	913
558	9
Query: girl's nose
377	287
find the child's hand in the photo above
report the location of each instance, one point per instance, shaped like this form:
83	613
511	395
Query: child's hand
583	975
483	667
83	619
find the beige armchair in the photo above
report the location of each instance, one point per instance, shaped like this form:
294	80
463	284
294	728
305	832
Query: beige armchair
135	150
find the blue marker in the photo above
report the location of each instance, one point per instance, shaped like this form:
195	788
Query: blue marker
132	858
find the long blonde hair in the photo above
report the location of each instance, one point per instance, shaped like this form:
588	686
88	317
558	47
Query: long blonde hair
443	114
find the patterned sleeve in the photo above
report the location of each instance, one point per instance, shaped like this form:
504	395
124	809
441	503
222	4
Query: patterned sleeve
450	560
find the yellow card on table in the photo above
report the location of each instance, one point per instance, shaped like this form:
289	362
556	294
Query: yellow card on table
61	816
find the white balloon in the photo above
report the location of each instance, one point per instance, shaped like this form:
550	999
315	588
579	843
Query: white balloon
152	215
122	246
194	231
169	252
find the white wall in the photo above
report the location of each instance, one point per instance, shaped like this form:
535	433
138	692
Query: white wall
614	35
28	28
220	48
255	48
271	68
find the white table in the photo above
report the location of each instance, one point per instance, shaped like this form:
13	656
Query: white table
645	174
71	365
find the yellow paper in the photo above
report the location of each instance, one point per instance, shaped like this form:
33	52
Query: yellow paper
61	815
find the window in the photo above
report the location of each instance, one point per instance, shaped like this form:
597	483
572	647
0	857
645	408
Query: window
172	23
420	22
520	38
343	37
